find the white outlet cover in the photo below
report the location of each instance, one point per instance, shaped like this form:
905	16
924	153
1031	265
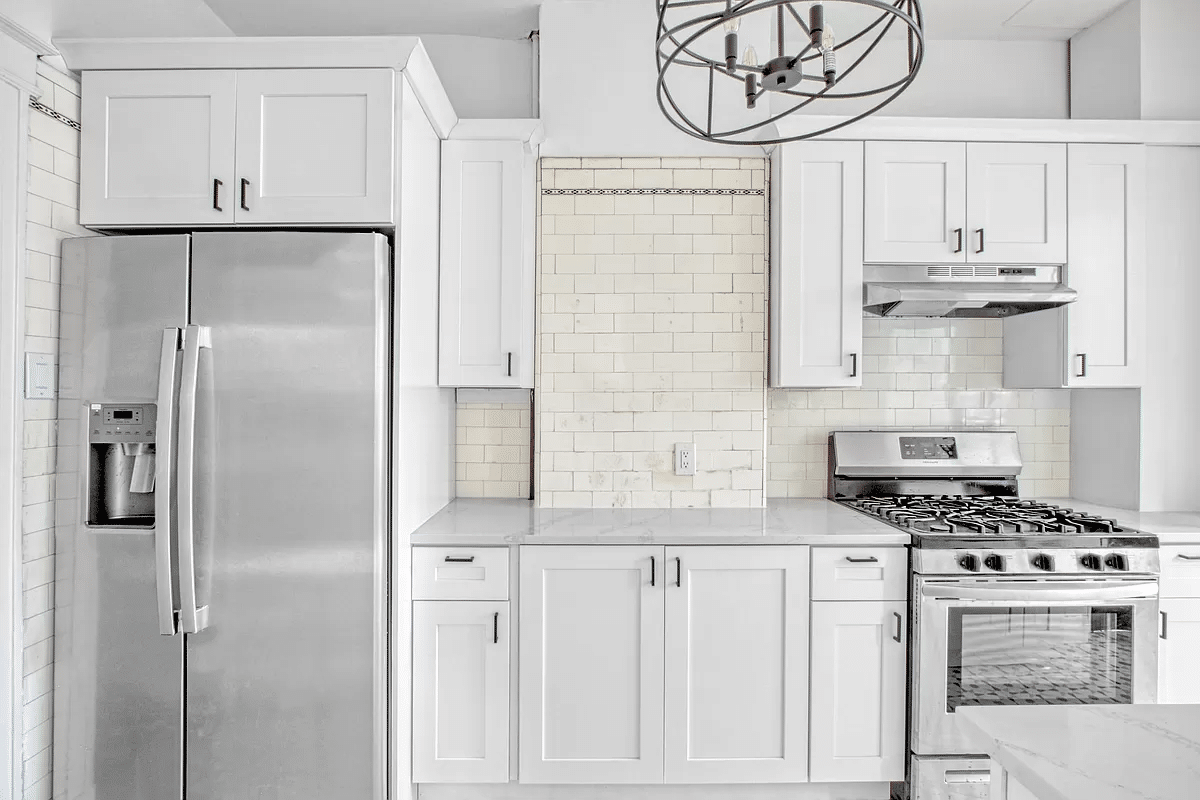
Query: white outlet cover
685	458
41	376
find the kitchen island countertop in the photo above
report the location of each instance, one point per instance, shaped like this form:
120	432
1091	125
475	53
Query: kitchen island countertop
1117	752
476	522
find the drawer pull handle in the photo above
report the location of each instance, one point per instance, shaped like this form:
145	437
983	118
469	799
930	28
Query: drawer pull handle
968	776
1163	632
459	559
1186	557
867	560
899	626
678	571
651	570
496	628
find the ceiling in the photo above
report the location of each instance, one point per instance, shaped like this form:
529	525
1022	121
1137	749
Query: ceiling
505	19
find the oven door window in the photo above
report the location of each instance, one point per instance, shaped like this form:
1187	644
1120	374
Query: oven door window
1039	656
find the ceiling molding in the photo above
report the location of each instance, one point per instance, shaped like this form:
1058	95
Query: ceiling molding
26	37
521	130
249	52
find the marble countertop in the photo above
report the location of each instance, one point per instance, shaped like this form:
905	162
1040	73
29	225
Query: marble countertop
513	522
1174	527
1149	752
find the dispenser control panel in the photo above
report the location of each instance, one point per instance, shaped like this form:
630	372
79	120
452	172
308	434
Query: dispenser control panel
126	422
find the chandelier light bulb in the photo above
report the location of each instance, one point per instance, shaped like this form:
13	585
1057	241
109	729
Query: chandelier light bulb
750	57
827	40
732	24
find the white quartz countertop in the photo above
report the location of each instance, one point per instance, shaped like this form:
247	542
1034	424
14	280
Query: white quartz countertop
1147	752
1171	527
503	522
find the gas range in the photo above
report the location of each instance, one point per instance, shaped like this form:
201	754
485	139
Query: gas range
955	492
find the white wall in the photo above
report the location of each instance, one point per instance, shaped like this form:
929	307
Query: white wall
485	78
598	76
1170	59
1106	74
1106	437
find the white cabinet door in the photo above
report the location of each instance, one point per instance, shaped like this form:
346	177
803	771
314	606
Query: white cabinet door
816	278
916	202
460	692
157	148
1107	187
591	664
315	146
858	691
486	321
1016	203
736	665
1179	651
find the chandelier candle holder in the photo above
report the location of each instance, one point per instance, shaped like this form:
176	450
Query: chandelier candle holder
810	69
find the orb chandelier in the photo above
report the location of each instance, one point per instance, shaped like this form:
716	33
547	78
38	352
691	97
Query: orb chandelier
812	66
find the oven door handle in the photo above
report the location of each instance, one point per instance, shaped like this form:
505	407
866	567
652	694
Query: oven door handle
1039	594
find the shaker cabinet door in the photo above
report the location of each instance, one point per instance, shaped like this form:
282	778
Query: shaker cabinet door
1016	203
916	202
486	291
858	690
816	277
157	148
460	692
591	664
315	146
736	665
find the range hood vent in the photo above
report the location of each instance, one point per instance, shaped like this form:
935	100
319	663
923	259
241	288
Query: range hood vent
962	290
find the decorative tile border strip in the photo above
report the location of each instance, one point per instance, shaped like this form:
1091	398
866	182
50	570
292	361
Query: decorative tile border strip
653	191
50	112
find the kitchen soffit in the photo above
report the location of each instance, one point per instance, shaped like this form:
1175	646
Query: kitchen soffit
513	19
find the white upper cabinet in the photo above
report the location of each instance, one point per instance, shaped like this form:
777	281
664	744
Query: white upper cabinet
315	145
460	692
816	277
591	665
736	665
157	148
1098	340
858	690
220	147
1017	203
916	202
955	202
487	264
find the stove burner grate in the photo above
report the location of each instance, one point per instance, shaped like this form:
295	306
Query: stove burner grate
981	516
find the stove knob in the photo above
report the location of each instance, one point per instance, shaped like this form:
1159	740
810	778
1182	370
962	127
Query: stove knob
1091	561
1043	562
1117	561
969	562
995	562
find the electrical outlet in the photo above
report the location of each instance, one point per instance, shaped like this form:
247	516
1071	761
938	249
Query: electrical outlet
685	459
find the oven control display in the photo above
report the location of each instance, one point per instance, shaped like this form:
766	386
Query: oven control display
924	448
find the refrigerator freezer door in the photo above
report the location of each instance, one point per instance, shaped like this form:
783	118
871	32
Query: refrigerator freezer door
118	702
286	687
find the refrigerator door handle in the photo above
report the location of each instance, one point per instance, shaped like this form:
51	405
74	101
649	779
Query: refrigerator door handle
193	617
163	496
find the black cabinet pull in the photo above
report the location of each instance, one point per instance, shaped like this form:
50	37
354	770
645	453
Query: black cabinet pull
510	365
899	626
959	233
496	628
217	184
678	571
651	570
1162	634
460	559
867	560
245	188
854	365
981	244
1082	365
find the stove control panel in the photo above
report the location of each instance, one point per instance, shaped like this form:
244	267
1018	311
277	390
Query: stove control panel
1059	561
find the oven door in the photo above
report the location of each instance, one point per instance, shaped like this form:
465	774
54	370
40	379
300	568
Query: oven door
1027	642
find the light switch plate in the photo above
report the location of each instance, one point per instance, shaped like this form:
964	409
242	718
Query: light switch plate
41	376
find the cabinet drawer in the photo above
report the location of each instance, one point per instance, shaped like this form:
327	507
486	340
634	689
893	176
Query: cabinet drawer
1180	570
859	573
460	573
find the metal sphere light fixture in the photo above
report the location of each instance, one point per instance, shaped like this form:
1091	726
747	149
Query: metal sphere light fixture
812	66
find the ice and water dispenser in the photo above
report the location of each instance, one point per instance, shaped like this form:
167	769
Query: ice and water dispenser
121	470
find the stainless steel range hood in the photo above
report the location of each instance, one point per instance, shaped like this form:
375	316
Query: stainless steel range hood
962	290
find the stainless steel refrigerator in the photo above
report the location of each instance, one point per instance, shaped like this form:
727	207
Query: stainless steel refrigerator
223	517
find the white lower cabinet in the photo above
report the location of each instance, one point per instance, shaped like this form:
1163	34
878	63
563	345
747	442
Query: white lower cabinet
858	690
591	664
736	706
460	691
1179	650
